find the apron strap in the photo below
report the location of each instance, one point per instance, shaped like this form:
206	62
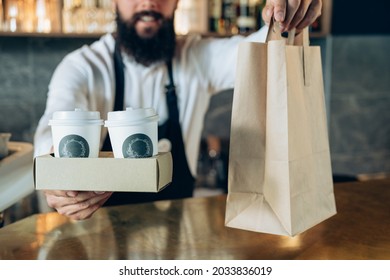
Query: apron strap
119	79
173	111
183	182
119	90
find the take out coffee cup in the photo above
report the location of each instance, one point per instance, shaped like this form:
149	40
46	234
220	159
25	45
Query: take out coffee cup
133	132
76	133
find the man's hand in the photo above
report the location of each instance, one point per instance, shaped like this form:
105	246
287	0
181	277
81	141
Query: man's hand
292	13
76	205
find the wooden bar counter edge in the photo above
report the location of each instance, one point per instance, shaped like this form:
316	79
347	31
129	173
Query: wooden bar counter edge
194	229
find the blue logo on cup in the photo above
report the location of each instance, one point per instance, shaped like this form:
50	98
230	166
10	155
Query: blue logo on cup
137	146
73	146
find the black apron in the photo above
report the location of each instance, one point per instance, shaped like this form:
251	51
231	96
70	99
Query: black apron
182	185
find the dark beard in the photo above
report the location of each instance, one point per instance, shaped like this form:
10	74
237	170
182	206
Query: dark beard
146	51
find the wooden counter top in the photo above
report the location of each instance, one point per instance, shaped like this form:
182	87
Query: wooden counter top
194	229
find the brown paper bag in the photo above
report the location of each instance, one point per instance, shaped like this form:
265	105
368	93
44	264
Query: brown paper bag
280	177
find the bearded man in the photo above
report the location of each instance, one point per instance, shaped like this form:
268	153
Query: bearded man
144	65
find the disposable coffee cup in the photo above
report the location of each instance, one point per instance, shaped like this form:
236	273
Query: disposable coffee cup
133	132
76	133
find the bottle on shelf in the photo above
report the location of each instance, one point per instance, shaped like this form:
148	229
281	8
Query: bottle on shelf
215	16
88	16
260	4
31	16
1	15
106	16
191	17
229	17
42	16
13	10
69	16
246	16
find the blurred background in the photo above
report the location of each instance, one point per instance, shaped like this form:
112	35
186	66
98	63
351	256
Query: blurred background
355	41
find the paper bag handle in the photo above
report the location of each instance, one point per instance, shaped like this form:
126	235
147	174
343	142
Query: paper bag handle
274	33
301	40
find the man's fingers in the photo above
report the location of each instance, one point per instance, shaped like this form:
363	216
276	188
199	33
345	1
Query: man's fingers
84	209
60	193
279	9
312	13
267	13
292	13
295	8
60	199
82	214
276	9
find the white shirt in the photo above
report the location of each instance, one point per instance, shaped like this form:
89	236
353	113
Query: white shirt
201	67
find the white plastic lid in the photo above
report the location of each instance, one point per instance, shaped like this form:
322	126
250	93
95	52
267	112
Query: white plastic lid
131	117
76	117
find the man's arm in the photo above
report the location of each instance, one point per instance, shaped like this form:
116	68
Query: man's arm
67	90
